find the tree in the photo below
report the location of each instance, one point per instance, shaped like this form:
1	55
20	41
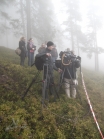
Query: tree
34	18
22	7
93	26
43	24
72	23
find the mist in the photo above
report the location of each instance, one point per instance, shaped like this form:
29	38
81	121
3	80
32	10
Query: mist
74	24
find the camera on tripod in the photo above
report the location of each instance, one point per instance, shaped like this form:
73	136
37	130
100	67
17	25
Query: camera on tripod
67	57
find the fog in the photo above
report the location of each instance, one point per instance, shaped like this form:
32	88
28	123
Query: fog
74	24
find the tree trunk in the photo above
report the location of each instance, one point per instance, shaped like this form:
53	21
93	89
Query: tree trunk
96	62
28	4
72	36
22	17
96	48
78	47
6	33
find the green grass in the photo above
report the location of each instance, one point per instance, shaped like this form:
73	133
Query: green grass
28	120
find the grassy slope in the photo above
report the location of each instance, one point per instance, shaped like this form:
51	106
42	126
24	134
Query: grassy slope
26	119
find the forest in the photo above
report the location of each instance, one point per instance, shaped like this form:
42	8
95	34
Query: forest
69	24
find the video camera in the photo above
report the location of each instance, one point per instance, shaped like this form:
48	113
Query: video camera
67	57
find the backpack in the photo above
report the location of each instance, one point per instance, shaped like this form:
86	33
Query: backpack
18	51
39	62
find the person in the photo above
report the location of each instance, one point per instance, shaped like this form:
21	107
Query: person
47	57
70	76
22	47
31	49
54	53
42	48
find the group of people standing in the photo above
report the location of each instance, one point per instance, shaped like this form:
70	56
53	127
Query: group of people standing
49	50
29	52
69	76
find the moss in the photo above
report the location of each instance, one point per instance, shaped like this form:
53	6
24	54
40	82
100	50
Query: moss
27	119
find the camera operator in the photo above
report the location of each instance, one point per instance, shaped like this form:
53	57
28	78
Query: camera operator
46	57
70	76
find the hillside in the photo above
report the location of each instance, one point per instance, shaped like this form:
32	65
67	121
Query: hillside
61	119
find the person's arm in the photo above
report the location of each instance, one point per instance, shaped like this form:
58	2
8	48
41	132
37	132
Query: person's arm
28	47
20	46
41	54
34	47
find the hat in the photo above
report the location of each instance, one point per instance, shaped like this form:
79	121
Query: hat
50	43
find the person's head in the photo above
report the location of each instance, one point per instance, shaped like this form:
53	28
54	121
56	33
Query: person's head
68	49
22	39
50	45
31	40
43	45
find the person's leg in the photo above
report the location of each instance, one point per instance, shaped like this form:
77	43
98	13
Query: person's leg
29	59
20	60
73	89
23	60
32	58
67	87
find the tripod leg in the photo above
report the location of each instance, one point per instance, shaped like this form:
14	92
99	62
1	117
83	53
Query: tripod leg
61	80
70	75
44	89
31	84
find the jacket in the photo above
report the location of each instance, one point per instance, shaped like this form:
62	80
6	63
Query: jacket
72	68
41	49
30	48
22	48
48	60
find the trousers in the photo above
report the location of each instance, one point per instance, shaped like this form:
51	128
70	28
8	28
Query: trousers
70	87
22	60
30	58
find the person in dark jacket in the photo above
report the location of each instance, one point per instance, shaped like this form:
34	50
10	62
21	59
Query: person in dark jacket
70	77
42	48
31	49
47	58
46	55
22	47
54	54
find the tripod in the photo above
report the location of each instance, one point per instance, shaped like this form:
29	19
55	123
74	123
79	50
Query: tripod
62	76
69	80
47	83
